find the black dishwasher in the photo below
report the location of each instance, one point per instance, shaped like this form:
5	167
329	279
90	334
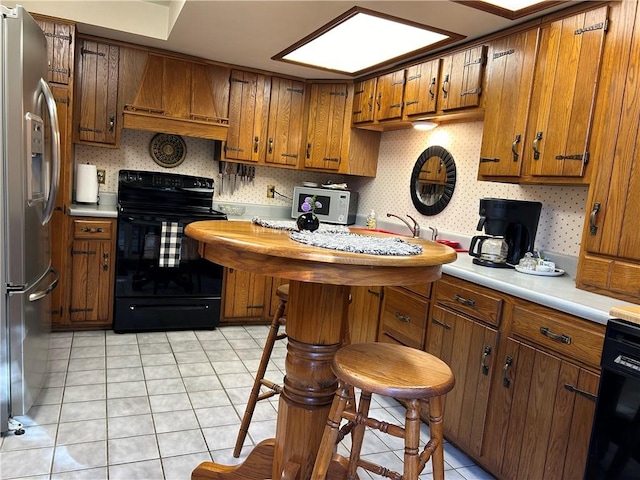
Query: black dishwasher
614	450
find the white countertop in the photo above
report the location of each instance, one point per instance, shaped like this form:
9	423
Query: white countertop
559	293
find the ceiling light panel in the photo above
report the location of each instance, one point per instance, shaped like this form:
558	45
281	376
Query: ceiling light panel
361	39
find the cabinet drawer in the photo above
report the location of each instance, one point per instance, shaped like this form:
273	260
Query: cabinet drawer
403	318
578	339
99	229
423	289
473	301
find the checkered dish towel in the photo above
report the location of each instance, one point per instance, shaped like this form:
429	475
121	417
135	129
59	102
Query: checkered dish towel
170	241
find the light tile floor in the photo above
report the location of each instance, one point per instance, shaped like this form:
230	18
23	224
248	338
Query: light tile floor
155	405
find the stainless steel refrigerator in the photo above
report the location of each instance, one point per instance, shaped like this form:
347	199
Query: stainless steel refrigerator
29	172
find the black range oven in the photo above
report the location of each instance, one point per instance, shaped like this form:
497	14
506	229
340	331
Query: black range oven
162	283
614	450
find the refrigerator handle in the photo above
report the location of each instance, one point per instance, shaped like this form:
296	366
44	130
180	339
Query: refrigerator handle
43	293
55	152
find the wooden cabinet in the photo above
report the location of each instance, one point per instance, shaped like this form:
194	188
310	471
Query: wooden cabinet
510	68
60	36
389	96
364	312
421	89
461	79
246	296
96	86
331	144
92	273
610	254
403	317
546	80
540	415
468	346
266	117
363	99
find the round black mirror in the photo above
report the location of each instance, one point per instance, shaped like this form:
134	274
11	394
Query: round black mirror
433	180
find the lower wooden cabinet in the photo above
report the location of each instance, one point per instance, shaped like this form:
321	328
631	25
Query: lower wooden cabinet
92	274
246	297
403	318
364	311
540	415
469	348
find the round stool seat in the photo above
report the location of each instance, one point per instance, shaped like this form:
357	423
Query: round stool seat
393	370
283	292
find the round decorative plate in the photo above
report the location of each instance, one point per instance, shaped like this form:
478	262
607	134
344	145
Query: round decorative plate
167	150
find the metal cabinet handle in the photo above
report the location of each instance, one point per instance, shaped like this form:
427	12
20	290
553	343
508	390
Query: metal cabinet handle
585	394
445	92
536	143
484	368
372	292
555	336
256	141
465	301
515	143
308	150
403	318
112	123
505	380
432	94
593	227
105	261
92	230
270	144
442	324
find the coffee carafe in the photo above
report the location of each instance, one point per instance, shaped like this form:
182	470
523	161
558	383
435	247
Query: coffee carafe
510	227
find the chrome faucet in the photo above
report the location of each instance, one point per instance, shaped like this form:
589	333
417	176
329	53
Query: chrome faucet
415	229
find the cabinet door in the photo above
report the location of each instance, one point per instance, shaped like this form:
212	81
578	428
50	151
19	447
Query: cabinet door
97	93
363	95
389	91
510	67
59	221
245	294
364	312
540	416
469	348
286	111
421	88
461	81
59	51
564	93
91	283
327	113
248	116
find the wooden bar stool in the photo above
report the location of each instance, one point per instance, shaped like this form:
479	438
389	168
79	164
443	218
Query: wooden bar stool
279	319
397	371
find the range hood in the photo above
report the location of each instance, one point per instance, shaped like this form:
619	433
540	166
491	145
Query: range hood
180	97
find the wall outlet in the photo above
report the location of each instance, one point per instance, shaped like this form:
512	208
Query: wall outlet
271	191
102	174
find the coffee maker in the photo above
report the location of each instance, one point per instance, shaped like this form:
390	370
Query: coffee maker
510	227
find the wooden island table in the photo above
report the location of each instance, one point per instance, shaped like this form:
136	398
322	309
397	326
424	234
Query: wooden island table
319	282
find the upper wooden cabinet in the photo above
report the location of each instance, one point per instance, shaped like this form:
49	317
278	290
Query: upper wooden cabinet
96	86
551	91
327	112
60	53
182	97
363	98
248	116
610	254
331	144
509	79
421	89
461	79
389	96
266	117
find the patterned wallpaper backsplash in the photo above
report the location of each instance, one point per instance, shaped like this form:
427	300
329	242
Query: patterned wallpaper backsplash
561	220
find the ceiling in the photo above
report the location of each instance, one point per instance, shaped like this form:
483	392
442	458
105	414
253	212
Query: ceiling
249	33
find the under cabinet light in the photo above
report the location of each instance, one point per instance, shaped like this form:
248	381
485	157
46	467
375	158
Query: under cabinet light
360	40
424	125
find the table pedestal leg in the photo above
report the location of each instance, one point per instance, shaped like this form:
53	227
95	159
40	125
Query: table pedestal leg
315	315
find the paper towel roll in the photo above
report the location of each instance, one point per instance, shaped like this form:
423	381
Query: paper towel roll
86	183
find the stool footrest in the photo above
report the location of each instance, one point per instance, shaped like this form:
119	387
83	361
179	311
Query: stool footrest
379	470
385	427
429	448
